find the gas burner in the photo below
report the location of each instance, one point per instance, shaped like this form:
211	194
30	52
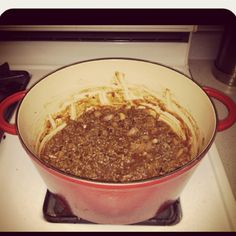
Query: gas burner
55	210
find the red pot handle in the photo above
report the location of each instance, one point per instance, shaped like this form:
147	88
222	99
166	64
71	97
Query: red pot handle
230	105
4	125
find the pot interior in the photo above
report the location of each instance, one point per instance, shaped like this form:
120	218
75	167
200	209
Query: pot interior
179	93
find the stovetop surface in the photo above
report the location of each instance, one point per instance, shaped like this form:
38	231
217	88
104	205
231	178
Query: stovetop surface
207	201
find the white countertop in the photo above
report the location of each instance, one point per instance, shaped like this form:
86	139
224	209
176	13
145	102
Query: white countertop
225	141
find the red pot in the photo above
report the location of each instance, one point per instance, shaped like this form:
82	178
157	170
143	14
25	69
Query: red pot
116	203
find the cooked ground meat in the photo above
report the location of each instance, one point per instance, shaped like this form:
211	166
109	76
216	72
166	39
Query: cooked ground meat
116	145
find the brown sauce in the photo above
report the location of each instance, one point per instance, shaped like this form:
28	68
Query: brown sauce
116	144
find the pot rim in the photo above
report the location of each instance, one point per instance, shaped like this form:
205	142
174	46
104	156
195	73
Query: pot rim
149	181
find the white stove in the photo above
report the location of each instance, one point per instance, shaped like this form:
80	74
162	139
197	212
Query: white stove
207	201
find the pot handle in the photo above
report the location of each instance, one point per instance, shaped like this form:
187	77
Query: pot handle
230	105
4	125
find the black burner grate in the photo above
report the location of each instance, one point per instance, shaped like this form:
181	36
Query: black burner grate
55	210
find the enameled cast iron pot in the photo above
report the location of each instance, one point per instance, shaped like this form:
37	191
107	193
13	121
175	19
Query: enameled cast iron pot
114	203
